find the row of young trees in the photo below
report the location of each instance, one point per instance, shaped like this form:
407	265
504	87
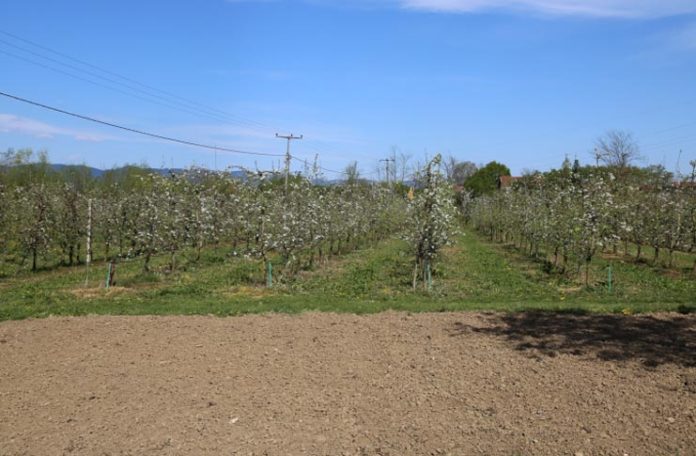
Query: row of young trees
47	217
573	213
50	217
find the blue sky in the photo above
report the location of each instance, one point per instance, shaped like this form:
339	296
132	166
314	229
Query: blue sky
524	82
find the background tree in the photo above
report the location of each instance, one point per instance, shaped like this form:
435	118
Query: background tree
461	171
34	216
402	166
485	180
617	148
352	173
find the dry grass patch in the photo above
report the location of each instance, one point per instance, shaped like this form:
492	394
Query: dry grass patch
99	292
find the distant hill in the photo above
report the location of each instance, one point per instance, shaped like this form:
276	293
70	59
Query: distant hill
97	173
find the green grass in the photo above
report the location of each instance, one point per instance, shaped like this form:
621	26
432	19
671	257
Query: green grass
471	275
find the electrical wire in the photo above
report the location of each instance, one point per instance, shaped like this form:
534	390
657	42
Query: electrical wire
154	95
207	109
183	104
136	89
164	103
133	130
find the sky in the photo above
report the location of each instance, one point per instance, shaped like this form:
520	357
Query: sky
522	82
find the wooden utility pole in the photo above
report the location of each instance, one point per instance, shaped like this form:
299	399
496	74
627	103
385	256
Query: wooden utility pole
386	166
289	138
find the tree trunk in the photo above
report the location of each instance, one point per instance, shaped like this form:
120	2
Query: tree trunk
199	247
146	265
112	274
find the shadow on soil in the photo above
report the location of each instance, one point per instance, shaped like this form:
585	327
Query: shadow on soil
647	339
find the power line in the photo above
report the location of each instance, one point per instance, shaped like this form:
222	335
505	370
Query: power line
99	84
170	103
133	130
154	135
167	99
135	89
672	141
133	95
674	128
329	170
209	111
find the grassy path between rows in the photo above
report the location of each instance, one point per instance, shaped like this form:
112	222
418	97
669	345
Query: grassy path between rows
472	275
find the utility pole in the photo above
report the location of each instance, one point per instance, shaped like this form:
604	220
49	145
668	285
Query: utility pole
386	166
289	138
678	170
597	156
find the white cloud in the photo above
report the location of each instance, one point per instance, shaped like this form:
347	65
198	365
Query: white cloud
9	123
591	8
628	9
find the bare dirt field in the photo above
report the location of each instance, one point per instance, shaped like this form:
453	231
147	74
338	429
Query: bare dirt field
328	384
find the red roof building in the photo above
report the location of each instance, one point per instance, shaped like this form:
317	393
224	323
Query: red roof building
507	181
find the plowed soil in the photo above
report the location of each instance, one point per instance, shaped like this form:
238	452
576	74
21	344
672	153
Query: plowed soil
327	384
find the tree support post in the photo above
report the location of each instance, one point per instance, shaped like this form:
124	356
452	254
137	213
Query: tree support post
428	276
110	272
269	274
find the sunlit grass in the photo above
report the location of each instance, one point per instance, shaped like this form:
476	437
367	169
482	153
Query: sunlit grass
471	275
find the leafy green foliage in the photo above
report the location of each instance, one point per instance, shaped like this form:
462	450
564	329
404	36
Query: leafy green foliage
485	180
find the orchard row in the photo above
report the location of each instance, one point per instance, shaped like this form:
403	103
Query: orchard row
49	218
571	215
